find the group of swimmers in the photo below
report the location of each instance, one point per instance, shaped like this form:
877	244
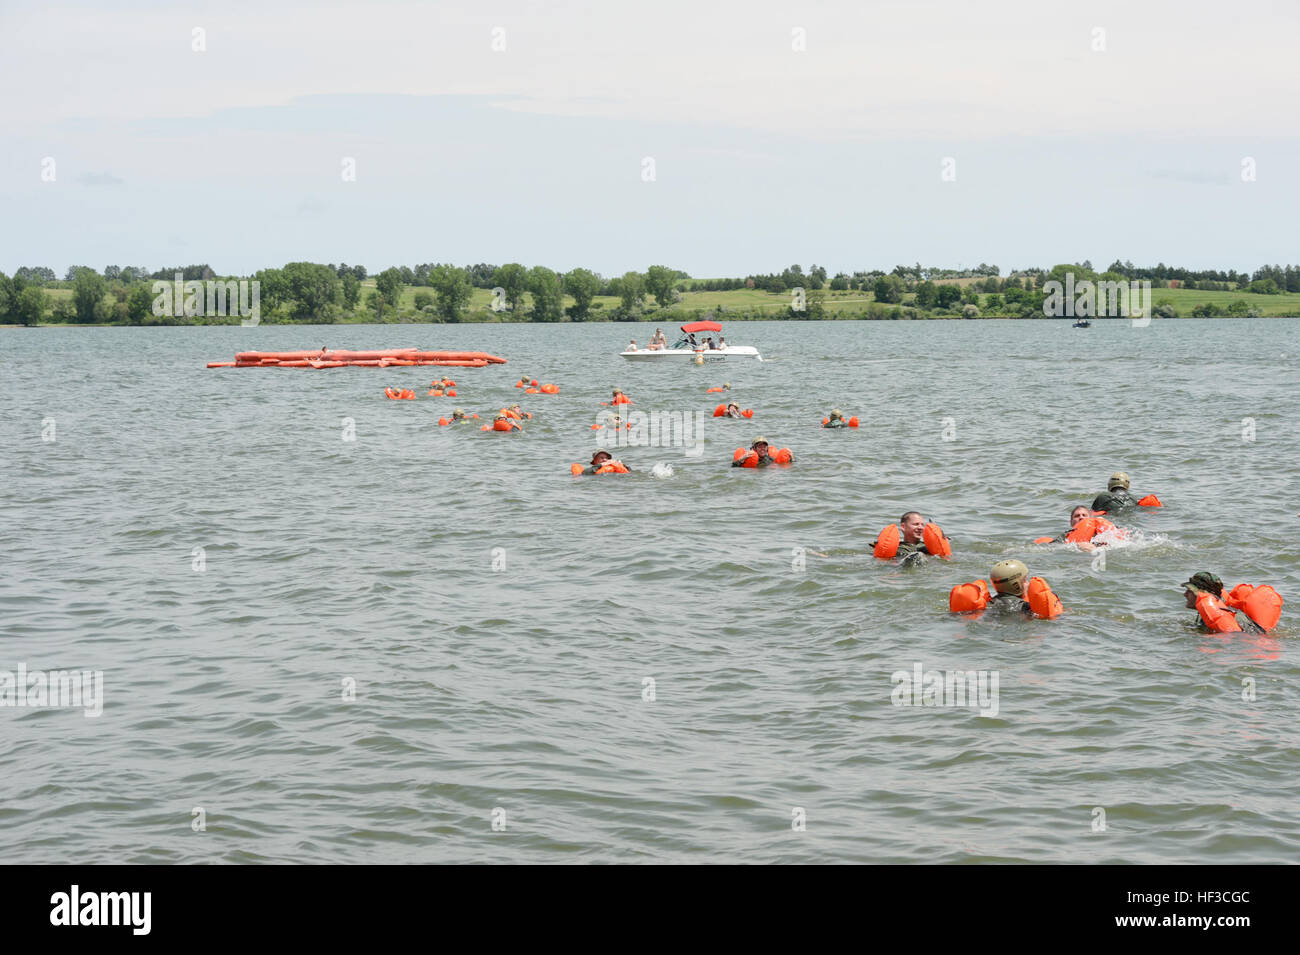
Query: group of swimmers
1245	608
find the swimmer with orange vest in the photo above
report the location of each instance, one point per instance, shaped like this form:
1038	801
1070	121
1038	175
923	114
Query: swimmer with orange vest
457	417
1116	498
502	422
602	462
516	412
911	538
760	455
1015	593
732	410
1261	606
726	386
618	399
836	419
526	382
1084	526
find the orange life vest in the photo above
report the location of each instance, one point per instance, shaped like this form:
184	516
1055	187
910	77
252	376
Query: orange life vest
969	598
1150	501
1042	601
1262	604
1218	617
887	542
935	541
1087	529
549	389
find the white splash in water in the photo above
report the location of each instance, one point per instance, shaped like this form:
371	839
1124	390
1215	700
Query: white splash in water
662	470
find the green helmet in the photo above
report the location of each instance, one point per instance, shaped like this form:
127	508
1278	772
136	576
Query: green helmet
1009	577
1117	480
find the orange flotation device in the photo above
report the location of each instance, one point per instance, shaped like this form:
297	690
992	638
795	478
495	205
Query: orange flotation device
1150	501
747	413
1043	540
851	422
1218	617
1042	601
747	458
621	400
504	426
782	455
707	391
1086	530
969	598
444	421
549	389
935	541
575	469
531	391
720	411
435	394
613	467
406	394
1263	604
887	542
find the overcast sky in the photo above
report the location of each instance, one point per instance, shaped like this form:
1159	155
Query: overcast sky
809	132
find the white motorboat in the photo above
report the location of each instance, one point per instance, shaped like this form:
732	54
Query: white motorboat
693	349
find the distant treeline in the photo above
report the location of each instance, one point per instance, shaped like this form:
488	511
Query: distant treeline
314	292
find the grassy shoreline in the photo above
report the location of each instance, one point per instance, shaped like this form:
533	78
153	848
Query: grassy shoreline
734	306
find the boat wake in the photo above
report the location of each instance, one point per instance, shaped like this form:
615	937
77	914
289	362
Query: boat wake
662	470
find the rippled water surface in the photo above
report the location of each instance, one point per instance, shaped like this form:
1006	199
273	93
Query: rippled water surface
500	618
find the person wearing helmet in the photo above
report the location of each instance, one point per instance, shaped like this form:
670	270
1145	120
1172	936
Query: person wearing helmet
836	419
762	449
1010	578
1116	496
733	410
459	415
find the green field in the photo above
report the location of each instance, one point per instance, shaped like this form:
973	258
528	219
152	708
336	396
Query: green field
840	303
756	303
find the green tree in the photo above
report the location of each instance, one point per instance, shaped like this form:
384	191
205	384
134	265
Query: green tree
6	297
30	305
88	288
313	289
548	301
423	299
631	292
583	286
453	289
659	281
512	277
947	296
273	288
388	283
888	289
351	290
139	303
926	294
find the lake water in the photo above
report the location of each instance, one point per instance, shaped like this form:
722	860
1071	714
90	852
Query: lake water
498	619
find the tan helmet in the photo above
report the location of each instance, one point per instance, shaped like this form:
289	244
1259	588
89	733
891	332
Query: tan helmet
836	414
1009	577
1118	479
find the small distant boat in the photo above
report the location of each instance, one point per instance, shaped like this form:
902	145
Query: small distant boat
1082	323
690	348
